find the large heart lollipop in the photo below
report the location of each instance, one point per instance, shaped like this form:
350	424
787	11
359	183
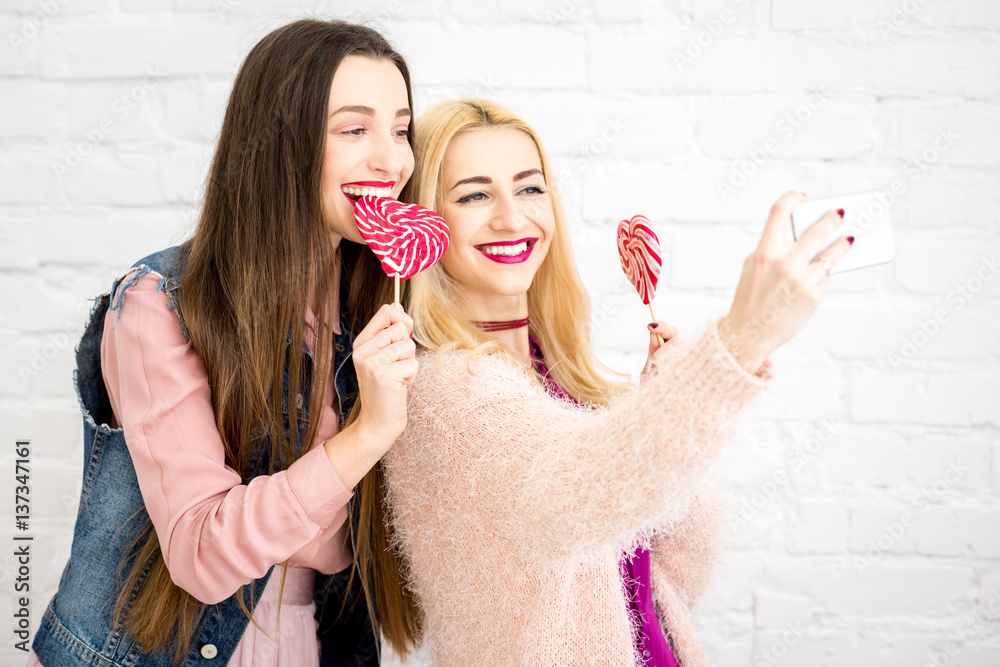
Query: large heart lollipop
405	237
639	251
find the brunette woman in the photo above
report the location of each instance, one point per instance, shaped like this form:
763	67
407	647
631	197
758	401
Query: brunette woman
236	388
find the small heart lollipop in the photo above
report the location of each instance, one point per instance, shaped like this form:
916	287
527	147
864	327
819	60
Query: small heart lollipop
639	251
405	237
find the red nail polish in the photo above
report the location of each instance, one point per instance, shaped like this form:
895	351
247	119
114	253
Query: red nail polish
840	212
850	239
651	325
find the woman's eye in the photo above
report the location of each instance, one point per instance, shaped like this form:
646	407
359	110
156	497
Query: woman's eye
402	133
533	190
475	196
356	132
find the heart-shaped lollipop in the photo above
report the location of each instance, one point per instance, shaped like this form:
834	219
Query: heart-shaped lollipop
405	237
639	251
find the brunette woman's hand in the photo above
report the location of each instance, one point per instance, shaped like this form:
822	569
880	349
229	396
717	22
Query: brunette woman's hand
385	365
671	341
781	286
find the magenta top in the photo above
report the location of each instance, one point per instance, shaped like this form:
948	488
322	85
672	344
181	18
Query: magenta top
650	642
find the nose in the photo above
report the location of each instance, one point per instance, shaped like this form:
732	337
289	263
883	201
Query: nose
507	215
385	157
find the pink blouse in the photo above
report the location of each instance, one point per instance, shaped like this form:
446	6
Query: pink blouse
217	533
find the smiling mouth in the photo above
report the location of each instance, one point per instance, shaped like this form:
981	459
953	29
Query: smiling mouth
508	252
355	191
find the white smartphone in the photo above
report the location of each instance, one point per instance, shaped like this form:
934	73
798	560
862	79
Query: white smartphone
866	218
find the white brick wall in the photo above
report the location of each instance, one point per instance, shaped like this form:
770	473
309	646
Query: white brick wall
852	545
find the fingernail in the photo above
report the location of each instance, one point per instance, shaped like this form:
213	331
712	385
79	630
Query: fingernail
840	212
850	239
651	325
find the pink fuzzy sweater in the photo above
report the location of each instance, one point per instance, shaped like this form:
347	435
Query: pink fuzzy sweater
512	508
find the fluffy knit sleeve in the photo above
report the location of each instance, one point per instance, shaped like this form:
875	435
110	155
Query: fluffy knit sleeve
684	553
490	458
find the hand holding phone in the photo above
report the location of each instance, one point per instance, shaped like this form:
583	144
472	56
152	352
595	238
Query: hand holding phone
866	218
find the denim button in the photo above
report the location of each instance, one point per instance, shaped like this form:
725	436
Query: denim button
340	348
298	401
208	651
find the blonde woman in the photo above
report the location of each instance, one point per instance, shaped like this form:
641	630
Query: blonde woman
545	515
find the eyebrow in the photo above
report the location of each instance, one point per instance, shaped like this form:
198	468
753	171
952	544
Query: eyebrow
367	111
487	180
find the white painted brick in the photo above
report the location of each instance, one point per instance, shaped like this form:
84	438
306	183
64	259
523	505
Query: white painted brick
983	391
486	53
55	9
925	591
942	330
615	125
125	110
808	124
111	176
707	257
743	15
976	14
193	110
917	396
964	197
57	474
55	431
859	14
523	12
817	527
806	392
40	306
959	268
183	172
866	458
139	46
20	45
996	468
147	6
757	522
31	109
112	240
953	133
922	528
837	648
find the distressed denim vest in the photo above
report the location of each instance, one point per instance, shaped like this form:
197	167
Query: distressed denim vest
78	627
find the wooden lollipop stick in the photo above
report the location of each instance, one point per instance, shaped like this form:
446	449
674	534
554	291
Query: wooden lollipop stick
396	299
651	312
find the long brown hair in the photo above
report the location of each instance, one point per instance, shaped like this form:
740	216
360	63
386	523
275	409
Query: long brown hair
260	245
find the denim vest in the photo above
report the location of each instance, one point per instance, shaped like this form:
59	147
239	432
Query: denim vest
78	627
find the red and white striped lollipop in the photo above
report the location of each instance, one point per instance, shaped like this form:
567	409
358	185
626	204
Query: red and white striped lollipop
639	251
405	237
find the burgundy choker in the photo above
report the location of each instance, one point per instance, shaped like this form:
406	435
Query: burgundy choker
503	325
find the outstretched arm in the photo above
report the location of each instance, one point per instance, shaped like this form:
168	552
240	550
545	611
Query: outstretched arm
508	464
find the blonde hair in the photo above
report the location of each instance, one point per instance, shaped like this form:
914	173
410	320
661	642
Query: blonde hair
558	304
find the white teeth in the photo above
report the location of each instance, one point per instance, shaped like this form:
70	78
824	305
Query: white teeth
367	191
509	250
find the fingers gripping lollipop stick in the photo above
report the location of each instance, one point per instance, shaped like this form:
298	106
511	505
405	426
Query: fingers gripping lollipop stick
405	237
639	251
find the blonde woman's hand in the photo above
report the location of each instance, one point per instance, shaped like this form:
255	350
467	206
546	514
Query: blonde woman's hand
385	365
780	287
657	351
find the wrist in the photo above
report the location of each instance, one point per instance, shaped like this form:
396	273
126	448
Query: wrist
743	344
